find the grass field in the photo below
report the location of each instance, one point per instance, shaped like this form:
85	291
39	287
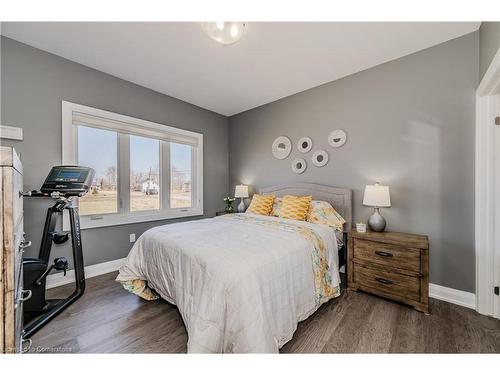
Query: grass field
105	202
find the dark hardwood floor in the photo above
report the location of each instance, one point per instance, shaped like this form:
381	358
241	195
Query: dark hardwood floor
108	319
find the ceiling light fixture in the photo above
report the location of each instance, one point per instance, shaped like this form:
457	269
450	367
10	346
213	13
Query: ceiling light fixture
224	32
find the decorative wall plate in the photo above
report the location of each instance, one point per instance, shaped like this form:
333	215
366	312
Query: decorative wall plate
320	158
299	166
304	144
337	138
281	147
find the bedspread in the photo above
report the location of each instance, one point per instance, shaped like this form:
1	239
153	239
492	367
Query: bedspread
241	282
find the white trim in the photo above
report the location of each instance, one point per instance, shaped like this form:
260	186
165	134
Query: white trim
455	296
58	279
490	84
484	187
495	260
133	218
484	204
126	125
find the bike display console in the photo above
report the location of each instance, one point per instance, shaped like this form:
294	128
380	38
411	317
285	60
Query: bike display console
68	181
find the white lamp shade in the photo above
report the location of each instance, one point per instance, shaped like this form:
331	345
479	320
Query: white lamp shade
241	191
377	196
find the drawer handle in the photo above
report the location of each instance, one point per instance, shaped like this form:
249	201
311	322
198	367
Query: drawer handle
24	244
384	281
26	345
25	295
383	254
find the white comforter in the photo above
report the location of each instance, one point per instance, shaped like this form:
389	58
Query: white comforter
240	287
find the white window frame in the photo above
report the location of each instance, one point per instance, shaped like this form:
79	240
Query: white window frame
124	126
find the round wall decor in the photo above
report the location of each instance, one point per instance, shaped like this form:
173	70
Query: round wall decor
320	158
299	166
304	144
337	138
281	147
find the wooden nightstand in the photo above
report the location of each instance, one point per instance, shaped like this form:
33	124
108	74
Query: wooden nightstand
391	265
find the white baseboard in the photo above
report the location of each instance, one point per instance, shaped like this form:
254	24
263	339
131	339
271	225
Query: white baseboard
58	279
458	297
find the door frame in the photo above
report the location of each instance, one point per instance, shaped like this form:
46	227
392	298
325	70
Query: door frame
485	204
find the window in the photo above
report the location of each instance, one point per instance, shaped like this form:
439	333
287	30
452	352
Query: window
143	171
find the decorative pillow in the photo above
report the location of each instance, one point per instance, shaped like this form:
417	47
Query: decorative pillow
278	202
261	204
295	208
322	212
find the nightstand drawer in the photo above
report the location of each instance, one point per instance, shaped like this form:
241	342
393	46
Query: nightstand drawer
387	284
387	254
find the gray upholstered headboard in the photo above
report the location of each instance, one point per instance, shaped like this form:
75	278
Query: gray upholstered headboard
339	198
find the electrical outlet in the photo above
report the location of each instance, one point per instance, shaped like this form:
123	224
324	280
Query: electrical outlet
132	237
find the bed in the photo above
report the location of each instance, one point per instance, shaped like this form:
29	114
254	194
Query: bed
242	282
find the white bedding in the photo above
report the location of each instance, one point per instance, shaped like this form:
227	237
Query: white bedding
240	287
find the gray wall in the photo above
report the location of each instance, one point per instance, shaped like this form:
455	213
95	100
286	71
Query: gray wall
410	124
489	42
35	82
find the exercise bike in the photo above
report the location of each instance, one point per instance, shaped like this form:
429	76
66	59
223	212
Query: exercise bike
62	184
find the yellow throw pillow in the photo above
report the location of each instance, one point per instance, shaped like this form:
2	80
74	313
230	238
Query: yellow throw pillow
261	204
295	208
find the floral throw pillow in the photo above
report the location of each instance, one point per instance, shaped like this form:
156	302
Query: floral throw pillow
278	202
322	212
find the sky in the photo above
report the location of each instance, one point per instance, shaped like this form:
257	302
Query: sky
97	148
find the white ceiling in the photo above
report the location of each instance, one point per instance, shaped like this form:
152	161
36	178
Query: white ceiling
271	61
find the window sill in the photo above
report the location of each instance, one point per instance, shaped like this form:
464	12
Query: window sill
113	220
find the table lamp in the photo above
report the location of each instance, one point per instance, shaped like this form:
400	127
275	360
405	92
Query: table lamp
241	191
377	196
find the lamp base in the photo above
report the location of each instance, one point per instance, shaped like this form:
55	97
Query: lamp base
376	222
241	206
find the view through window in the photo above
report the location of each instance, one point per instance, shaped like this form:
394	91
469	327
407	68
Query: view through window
145	186
97	148
180	175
